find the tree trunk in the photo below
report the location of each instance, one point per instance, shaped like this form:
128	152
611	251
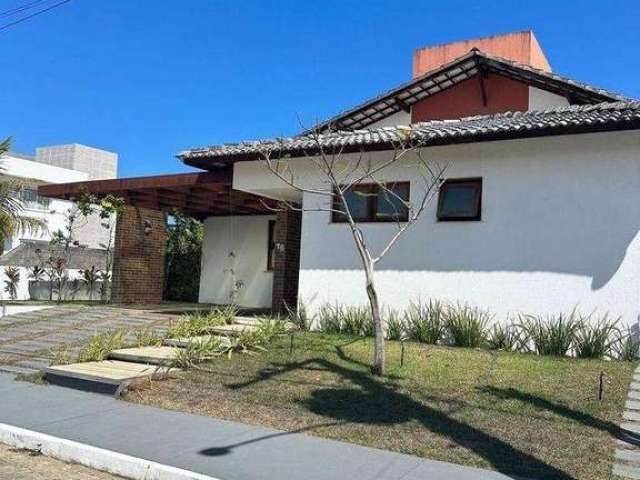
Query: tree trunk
376	318
378	351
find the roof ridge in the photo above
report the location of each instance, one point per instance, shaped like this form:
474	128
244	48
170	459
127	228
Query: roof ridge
392	100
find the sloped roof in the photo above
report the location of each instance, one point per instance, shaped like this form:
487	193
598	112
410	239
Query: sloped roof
26	255
460	69
623	115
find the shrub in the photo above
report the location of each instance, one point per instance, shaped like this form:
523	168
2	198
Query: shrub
350	320
197	351
269	328
353	320
300	317
329	318
505	337
551	335
147	337
247	341
188	325
595	340
101	345
466	326
395	325
226	314
182	259
199	323
627	346
425	322
61	356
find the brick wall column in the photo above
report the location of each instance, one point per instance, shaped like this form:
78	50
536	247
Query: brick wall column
286	266
138	256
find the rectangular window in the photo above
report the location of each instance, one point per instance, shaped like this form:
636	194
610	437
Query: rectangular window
373	203
271	245
460	199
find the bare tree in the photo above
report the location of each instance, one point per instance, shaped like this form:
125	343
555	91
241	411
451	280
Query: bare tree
337	175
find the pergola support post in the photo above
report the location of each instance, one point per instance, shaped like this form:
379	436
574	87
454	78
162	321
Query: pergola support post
139	257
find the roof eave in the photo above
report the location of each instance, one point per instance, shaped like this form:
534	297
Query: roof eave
204	161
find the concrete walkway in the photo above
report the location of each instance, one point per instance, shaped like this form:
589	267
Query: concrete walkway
221	449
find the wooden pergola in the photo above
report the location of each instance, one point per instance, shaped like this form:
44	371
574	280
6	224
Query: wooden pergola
200	195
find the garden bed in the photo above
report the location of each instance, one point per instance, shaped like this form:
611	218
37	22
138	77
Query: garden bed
521	414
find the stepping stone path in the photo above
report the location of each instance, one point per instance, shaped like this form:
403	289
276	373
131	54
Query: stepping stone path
160	355
128	366
184	342
107	376
627	456
27	339
234	329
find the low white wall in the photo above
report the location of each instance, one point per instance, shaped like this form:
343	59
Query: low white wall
14	309
560	229
234	251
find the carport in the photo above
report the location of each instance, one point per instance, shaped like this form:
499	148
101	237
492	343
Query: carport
140	240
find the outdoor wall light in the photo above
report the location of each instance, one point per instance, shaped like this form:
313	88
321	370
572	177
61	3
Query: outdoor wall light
279	247
147	227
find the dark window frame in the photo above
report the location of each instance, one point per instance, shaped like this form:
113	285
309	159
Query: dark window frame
372	204
271	244
477	182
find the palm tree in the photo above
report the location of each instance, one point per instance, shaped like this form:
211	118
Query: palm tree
90	278
12	220
12	281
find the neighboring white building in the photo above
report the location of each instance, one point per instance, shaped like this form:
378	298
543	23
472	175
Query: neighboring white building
98	164
58	164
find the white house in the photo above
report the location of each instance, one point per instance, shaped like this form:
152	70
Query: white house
52	165
540	211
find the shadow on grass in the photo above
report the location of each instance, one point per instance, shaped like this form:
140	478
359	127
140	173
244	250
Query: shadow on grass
375	402
584	418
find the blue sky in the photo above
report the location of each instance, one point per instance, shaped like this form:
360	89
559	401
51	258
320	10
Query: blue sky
149	78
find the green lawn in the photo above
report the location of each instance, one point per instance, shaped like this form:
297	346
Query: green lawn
536	417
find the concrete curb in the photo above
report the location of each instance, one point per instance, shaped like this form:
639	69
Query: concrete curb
93	457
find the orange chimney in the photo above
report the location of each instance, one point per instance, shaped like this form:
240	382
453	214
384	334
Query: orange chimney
521	47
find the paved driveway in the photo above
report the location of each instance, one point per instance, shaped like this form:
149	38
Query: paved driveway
27	339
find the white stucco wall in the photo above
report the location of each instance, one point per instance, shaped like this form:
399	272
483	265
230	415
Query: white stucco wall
398	118
559	230
235	250
542	100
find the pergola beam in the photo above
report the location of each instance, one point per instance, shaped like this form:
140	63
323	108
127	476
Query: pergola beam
197	194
